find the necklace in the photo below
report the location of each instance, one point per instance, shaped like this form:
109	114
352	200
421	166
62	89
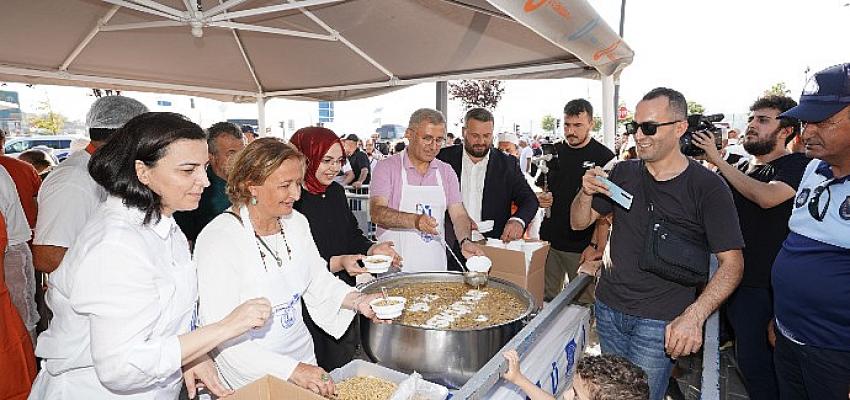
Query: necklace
276	255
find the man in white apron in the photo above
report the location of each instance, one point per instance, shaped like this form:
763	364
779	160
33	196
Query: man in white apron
410	194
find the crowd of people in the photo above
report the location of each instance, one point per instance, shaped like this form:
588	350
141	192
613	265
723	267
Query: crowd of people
181	257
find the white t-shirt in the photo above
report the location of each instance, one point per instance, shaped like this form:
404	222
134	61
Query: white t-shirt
524	155
10	204
67	199
472	184
120	298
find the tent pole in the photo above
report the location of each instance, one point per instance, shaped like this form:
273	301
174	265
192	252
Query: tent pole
261	116
608	117
443	100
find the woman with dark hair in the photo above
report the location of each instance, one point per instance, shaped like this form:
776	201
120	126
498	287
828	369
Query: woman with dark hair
263	247
124	295
338	238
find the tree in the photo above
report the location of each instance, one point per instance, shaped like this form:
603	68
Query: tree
778	89
47	119
597	123
695	108
548	123
477	93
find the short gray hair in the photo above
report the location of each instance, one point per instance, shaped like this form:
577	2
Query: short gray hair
429	115
222	128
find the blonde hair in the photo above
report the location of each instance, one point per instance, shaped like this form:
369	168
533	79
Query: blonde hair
255	164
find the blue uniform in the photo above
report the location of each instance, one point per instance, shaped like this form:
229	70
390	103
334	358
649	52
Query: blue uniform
811	274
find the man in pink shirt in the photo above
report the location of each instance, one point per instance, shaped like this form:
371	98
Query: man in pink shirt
411	192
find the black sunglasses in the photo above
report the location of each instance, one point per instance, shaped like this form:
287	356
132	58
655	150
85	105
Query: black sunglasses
814	201
648	128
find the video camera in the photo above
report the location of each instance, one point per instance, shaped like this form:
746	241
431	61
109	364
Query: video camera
702	124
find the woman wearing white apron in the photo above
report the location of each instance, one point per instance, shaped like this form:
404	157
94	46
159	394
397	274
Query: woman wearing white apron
416	225
262	247
124	295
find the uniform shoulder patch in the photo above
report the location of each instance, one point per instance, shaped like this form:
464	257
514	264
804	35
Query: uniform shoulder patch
844	210
802	198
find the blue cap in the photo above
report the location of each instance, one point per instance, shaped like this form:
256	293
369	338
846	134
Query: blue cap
826	93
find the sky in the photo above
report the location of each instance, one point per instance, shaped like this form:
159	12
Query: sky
722	54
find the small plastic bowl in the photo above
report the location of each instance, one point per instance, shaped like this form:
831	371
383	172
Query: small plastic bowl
479	264
377	264
388	311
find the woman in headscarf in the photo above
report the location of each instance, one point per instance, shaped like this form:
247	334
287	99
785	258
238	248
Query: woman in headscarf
338	237
261	246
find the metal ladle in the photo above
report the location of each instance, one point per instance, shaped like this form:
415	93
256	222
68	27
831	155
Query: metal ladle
471	278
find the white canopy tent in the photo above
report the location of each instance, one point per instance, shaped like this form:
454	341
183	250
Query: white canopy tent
254	50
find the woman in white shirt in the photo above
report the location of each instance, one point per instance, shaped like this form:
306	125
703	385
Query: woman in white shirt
262	247
124	295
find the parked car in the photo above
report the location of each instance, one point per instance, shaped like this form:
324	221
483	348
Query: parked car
59	144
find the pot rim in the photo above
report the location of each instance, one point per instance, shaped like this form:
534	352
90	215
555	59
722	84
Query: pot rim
522	292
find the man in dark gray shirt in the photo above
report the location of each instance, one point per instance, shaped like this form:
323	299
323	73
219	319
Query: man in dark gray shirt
639	315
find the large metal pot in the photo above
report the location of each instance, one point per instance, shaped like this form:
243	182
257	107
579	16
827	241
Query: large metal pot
447	357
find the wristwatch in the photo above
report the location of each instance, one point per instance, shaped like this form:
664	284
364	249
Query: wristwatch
466	239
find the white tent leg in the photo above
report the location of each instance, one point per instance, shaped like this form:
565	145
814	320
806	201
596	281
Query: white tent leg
608	118
261	116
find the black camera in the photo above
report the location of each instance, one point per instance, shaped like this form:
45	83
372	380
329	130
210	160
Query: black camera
702	124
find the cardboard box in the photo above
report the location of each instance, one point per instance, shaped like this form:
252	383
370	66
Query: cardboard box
512	264
271	388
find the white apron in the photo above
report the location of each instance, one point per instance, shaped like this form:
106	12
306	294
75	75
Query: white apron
285	332
421	252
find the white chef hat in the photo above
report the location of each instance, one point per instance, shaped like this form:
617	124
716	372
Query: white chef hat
508	137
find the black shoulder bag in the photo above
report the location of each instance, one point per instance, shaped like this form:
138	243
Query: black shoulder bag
670	255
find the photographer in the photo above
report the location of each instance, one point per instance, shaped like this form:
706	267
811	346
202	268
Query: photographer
642	311
763	190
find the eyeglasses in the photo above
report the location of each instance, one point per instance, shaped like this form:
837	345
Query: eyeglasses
330	161
824	125
814	201
430	140
648	128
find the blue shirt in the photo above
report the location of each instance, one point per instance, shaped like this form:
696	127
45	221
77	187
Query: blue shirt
811	275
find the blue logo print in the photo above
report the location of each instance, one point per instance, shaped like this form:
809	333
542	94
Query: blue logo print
424	209
287	312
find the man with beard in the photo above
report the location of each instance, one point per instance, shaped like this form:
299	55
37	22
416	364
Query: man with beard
570	248
411	194
643	314
490	180
763	190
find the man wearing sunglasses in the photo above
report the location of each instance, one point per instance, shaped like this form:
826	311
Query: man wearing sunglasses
640	315
763	188
811	274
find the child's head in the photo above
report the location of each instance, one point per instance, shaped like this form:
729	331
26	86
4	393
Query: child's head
608	377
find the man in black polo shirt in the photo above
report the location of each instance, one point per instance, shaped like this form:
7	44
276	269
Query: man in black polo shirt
763	189
359	161
640	315
569	248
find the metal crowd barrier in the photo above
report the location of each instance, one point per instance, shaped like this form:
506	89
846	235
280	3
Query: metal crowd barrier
358	202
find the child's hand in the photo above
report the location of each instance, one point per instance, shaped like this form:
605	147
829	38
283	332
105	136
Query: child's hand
513	375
